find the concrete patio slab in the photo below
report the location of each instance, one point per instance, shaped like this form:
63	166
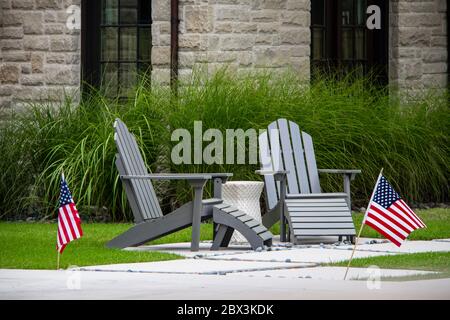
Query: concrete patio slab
300	255
46	284
442	240
196	266
407	247
334	273
184	249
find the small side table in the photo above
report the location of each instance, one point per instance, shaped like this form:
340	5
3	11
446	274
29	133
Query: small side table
244	195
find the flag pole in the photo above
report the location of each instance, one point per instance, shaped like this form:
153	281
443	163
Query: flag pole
362	224
59	254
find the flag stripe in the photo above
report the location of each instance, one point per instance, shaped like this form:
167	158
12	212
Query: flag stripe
399	211
66	226
401	218
415	216
398	204
70	229
63	227
389	215
76	216
381	231
392	218
69	222
387	226
61	249
71	219
400	207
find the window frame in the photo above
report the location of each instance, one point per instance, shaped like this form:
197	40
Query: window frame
91	44
376	41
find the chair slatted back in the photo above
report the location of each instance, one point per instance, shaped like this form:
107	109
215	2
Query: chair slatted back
131	162
284	147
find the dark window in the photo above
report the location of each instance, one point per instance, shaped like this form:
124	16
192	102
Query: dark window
117	43
341	42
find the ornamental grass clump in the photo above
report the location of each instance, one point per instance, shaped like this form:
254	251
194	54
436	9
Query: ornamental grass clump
353	123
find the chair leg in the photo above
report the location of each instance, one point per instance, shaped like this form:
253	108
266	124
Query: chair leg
223	237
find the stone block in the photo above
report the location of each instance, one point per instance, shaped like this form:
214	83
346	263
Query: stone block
64	43
160	10
191	42
222	56
23	4
434	55
32	80
223	27
237	42
245	59
186	59
12	33
265	15
268	27
273	4
9	73
61	75
52	57
161	56
73	58
6	90
14	18
5	4
296	18
54	28
295	36
50	4
213	42
50	16
38	43
161	76
435	67
15	56
37	63
410	37
299	5
196	19
33	23
439	42
271	57
8	44
245	27
226	13
264	39
25	68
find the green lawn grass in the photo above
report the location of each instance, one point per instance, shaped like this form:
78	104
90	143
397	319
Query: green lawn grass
437	221
33	246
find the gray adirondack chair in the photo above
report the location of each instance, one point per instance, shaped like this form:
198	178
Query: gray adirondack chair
293	193
150	223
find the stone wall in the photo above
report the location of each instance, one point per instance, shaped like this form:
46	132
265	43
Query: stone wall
40	55
418	44
241	34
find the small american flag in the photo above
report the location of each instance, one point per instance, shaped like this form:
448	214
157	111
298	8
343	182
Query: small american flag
69	222
388	214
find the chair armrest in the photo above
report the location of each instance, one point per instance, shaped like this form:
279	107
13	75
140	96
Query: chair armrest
263	172
279	175
170	176
222	176
340	171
